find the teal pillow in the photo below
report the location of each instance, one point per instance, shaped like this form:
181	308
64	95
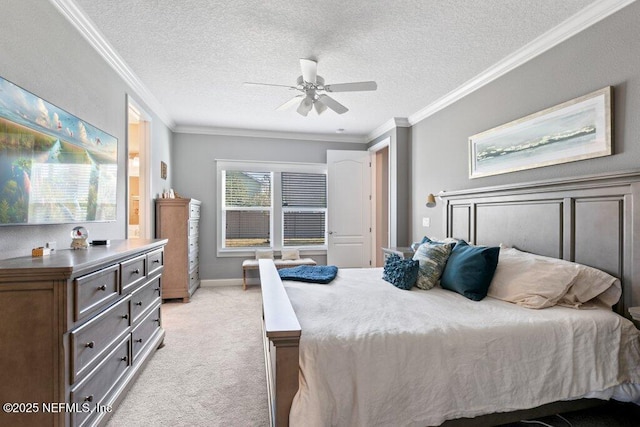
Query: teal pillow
432	257
401	273
470	269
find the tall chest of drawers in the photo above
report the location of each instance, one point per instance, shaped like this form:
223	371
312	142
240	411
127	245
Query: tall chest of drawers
76	329
179	221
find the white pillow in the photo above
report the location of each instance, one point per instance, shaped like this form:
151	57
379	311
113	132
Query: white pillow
292	254
592	285
536	281
264	253
529	280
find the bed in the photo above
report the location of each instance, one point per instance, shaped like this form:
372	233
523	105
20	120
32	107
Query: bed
321	373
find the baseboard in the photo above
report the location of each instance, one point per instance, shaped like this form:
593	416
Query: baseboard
213	283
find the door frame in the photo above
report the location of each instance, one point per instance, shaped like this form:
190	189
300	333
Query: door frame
144	154
380	145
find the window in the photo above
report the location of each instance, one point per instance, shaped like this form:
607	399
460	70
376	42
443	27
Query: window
266	205
247	209
304	208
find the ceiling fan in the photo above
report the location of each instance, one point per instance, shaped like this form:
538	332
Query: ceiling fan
314	91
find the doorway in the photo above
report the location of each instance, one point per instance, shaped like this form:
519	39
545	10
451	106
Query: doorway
381	202
138	142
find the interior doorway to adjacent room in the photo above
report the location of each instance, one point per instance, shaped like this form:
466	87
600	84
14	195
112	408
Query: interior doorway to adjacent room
138	185
380	199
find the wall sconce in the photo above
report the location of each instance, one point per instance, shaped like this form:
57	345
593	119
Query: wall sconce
431	201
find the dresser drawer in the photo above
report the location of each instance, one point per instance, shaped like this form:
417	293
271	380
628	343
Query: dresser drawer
90	341
193	243
133	272
95	291
155	261
193	227
141	334
142	299
194	260
194	210
194	280
95	387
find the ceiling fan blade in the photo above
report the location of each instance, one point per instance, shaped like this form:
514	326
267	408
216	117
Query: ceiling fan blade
351	87
267	84
332	103
309	70
305	106
320	106
290	103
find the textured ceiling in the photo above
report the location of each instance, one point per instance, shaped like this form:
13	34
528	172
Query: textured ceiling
193	55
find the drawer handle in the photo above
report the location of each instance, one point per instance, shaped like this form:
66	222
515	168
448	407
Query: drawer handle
125	316
138	303
102	287
90	344
156	261
89	398
124	358
157	289
136	271
138	340
156	320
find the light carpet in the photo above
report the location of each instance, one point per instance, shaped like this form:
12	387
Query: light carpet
210	371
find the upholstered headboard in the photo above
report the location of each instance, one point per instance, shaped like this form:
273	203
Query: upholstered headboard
592	220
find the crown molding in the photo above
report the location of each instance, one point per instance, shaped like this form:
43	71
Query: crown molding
582	20
396	122
90	32
260	133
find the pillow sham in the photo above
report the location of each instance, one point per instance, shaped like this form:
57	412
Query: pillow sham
592	286
470	269
432	258
264	254
530	280
536	281
401	273
290	254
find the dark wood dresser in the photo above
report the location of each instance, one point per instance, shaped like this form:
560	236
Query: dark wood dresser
76	328
179	221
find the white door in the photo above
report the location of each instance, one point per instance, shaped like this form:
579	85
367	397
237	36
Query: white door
349	201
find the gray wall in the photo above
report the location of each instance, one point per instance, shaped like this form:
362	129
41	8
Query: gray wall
604	55
195	176
43	53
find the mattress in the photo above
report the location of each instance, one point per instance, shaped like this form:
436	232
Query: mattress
374	355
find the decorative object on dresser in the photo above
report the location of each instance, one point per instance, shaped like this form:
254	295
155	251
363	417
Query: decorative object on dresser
77	327
178	221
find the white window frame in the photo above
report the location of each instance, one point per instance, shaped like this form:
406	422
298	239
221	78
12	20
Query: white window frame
276	213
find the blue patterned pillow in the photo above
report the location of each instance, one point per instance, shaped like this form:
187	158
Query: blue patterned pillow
432	258
401	273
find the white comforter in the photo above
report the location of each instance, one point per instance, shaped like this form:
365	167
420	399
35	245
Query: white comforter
374	355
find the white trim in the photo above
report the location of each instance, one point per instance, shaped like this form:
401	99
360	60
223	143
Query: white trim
395	122
96	39
218	283
259	165
582	20
261	133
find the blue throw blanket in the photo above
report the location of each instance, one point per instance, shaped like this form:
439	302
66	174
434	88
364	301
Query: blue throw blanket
310	273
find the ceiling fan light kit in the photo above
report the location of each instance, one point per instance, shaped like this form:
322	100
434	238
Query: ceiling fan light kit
314	91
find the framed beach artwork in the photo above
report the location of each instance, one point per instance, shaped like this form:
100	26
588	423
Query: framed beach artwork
574	130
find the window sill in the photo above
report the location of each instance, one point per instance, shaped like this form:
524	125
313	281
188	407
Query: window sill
248	253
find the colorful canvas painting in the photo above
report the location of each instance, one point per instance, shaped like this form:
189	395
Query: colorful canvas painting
575	130
54	167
